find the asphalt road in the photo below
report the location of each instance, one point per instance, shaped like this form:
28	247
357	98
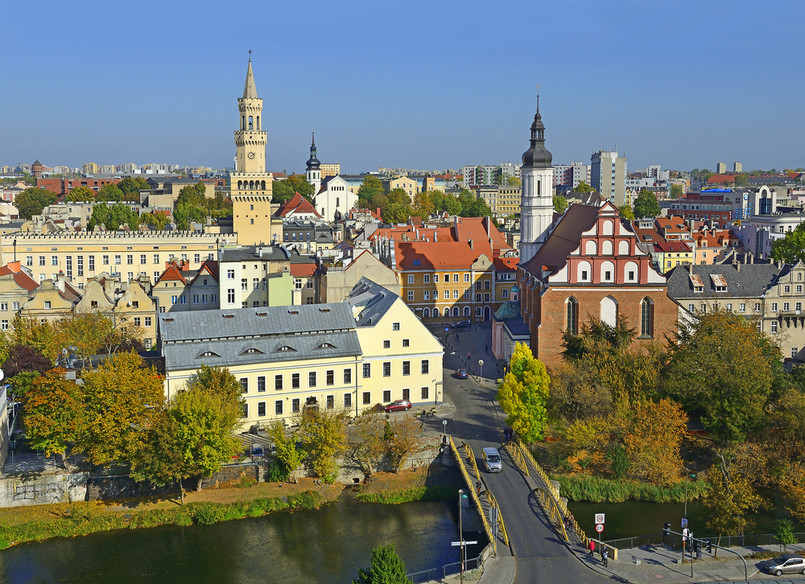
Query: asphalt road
540	554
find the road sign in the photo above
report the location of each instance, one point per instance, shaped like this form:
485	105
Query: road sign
684	523
599	518
599	527
685	533
458	543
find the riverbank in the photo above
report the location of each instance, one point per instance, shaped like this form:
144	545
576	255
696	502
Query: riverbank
593	489
40	522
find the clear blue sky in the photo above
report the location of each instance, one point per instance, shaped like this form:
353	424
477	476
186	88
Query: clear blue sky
413	83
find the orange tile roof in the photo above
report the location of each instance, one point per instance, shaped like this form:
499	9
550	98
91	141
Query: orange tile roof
22	279
440	255
506	263
296	204
172	272
303	270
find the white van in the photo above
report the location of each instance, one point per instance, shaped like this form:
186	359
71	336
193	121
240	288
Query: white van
492	460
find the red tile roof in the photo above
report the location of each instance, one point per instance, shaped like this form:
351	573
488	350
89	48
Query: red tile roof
440	255
303	270
22	279
296	204
172	273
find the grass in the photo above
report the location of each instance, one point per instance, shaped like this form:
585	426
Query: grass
434	493
600	490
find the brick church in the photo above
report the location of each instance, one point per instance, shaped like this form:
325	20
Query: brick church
585	264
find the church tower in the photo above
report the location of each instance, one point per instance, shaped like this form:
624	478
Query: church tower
314	167
250	184
536	203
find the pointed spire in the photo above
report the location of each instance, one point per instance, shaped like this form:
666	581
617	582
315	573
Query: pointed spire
313	162
537	156
250	90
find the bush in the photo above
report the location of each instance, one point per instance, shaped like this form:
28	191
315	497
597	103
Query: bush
207	514
277	472
436	493
600	490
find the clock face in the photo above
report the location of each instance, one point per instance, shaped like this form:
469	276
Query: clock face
251	155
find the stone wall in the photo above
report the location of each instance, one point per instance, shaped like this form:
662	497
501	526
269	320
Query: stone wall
40	489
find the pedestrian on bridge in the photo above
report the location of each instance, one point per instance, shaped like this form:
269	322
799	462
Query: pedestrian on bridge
605	556
591	546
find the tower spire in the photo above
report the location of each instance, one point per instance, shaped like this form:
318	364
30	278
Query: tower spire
249	89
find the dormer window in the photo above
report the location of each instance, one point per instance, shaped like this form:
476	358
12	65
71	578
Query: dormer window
208	354
326	345
696	281
252	351
719	282
285	349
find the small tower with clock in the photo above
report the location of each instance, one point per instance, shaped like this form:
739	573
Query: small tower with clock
250	183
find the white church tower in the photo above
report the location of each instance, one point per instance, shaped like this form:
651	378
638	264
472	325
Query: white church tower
314	167
536	203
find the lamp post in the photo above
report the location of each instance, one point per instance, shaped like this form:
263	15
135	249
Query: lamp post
461	496
481	367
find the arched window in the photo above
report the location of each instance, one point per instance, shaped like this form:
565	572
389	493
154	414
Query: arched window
337	202
456	311
240	185
607	272
435	312
606	247
590	248
584	272
258	122
466	311
607	228
263	185
251	123
609	311
426	313
623	247
572	308
630	272
539	187
647	317
242	122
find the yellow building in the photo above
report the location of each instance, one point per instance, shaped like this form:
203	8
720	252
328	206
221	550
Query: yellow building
329	170
250	185
348	356
409	185
90	168
51	301
82	255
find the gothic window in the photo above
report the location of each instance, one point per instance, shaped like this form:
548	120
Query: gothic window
455	311
258	122
647	317
251	123
609	311
572	316
263	185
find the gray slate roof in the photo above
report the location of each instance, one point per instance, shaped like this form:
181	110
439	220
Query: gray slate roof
251	253
743	281
372	300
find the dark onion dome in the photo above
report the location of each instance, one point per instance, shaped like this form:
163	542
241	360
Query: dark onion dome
537	156
313	162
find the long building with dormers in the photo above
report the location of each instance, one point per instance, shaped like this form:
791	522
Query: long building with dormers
370	349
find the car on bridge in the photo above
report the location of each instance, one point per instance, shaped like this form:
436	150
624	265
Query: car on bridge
461	373
492	460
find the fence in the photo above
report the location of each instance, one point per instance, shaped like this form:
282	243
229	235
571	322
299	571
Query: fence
444	571
746	540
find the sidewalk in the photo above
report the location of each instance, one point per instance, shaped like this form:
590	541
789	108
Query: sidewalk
495	570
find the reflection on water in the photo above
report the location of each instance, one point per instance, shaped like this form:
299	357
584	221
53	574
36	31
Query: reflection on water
326	545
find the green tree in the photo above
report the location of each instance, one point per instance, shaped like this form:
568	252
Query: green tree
477	208
513	181
741	180
583	187
369	191
676	191
287	453
184	215
323	437
626	212
217	380
53	413
445	202
646	205
120	399
791	248
189	439
721	366
560	204
397	208
281	191
386	567
729	499
80	195
423	205
194	195
131	187
156	220
523	394
110	192
299	184
112	217
32	200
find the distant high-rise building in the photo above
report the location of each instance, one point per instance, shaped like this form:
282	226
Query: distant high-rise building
721	168
608	176
332	169
566	177
737	167
488	174
90	168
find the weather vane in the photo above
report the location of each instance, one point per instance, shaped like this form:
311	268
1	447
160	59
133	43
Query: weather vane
250	54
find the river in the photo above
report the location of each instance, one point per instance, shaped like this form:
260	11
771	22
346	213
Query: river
324	545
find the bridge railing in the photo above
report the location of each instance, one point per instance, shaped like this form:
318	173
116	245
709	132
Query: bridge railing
748	539
551	509
439	574
493	503
470	487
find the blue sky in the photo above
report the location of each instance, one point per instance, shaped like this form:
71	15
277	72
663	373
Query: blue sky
428	84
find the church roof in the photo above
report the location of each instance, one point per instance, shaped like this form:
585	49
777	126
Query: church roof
537	156
296	204
249	89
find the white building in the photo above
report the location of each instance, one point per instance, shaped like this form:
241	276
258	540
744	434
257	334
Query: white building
334	199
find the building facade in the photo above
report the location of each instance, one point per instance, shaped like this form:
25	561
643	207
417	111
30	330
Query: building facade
608	176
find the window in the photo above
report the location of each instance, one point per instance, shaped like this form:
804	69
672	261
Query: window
466	277
29	260
245	410
395	326
757	306
787	289
129	258
105	260
297	283
572	316
4	325
230	295
15	306
261	409
255	283
90	263
244	284
794	352
244	384
295	381
347	401
367	397
230	274
386	395
486	296
647	317
774	326
406	393
504	294
330	377
47	304
424	393
406	342
455	277
729	306
410	296
798	306
137	321
386	368
4	306
773	306
486	284
367	370
426	278
426	295
278	407
406	367
347	376
786	306
386	344
742	307
54	260
435	278
799	288
435	294
295	405
410	278
174	299
42	261
477	298
425	366
311	379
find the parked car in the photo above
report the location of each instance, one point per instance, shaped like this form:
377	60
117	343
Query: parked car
400	405
461	324
785	564
461	373
257	451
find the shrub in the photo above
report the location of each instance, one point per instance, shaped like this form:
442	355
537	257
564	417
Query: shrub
207	514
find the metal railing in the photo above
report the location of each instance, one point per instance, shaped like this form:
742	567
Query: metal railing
551	509
471	488
443	571
493	503
746	540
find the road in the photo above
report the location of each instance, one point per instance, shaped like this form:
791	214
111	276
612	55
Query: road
540	554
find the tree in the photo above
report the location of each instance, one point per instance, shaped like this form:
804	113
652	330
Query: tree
676	191
721	366
131	187
53	413
184	215
741	180
110	192
299	184
386	567
583	187
156	220
281	191
195	195
369	191
524	393
285	444
189	439
791	248
794	490
646	205
396	213
113	217
445	202
23	365
729	499
32	200
513	181
368	444
80	195
121	397
653	434
423	206
217	380
323	437
42	336
626	212
560	204
402	437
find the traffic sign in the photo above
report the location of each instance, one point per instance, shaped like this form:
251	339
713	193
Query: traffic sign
685	533
684	523
599	527
458	543
599	518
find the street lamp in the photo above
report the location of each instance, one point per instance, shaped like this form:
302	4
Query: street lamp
461	497
481	367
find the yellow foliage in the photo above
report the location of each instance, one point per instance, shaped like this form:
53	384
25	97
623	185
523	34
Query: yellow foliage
653	434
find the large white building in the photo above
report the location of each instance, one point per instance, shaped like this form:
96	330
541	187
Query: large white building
608	176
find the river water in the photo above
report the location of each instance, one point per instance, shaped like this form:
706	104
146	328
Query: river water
325	545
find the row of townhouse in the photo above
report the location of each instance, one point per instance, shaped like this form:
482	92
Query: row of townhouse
369	349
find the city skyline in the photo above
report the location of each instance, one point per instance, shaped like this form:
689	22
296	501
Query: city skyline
405	84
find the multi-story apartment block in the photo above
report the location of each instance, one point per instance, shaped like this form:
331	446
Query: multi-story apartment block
722	206
80	256
345	356
566	177
608	176
254	276
331	169
759	234
503	201
409	185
